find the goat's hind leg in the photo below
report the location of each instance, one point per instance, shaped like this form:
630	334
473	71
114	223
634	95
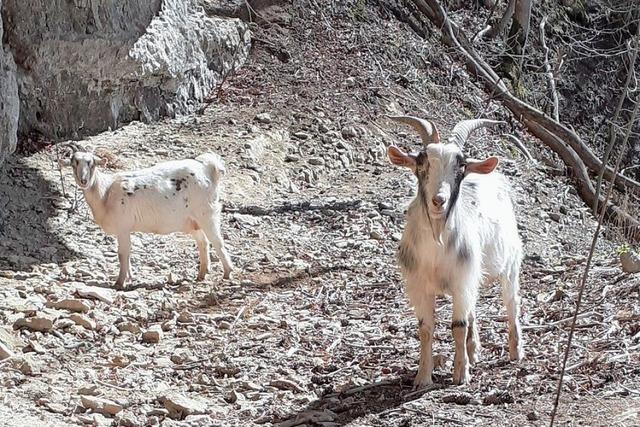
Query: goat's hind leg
203	253
511	299
211	227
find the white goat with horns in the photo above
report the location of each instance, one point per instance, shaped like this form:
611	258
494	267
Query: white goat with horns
174	196
461	231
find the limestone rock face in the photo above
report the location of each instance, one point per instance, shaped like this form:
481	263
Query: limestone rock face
84	66
9	104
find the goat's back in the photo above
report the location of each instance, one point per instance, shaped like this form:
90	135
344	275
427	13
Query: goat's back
168	197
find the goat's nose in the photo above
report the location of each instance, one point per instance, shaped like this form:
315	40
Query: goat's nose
438	201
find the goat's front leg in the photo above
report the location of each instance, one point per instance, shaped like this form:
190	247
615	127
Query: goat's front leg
473	339
426	323
463	306
124	250
211	227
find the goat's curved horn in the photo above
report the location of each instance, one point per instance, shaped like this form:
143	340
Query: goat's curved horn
73	145
463	130
427	129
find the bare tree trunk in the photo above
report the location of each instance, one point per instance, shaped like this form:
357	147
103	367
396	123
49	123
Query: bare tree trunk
501	25
517	43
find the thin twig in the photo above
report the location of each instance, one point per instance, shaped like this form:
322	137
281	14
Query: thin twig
612	131
583	282
550	76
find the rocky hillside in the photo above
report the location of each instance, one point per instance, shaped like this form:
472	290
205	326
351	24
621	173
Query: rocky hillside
314	327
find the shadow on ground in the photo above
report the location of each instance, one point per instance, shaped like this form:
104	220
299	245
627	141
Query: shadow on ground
26	207
379	397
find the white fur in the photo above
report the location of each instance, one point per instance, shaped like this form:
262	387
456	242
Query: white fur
483	222
174	196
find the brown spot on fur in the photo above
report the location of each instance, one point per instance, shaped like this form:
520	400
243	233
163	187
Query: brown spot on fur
191	225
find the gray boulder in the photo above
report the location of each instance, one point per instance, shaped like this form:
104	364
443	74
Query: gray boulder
9	104
84	66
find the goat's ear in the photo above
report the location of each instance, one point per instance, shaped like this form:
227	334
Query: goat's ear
100	161
64	162
481	166
400	158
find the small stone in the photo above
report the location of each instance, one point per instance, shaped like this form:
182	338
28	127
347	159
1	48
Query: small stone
83	321
231	397
120	361
555	216
91	390
349	132
100	405
104	295
64	323
68	271
131	327
185	317
292	158
56	408
180	406
223	324
317	161
5	351
533	416
630	261
375	235
41	323
263	118
350	82
26	365
301	135
153	335
71	304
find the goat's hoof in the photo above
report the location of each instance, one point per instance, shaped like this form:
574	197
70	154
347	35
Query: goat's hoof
422	380
200	277
516	354
462	377
227	274
120	286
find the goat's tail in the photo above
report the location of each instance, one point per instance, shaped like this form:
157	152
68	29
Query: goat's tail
214	165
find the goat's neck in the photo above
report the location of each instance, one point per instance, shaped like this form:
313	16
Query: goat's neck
96	194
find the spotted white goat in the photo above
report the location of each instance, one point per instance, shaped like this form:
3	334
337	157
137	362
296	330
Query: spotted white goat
174	196
461	231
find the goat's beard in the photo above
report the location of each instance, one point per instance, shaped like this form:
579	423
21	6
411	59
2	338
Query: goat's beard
437	228
436	225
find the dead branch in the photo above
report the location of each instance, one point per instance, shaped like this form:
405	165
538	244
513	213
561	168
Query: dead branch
550	76
520	146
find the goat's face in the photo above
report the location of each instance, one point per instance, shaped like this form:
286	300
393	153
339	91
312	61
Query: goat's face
440	169
84	168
